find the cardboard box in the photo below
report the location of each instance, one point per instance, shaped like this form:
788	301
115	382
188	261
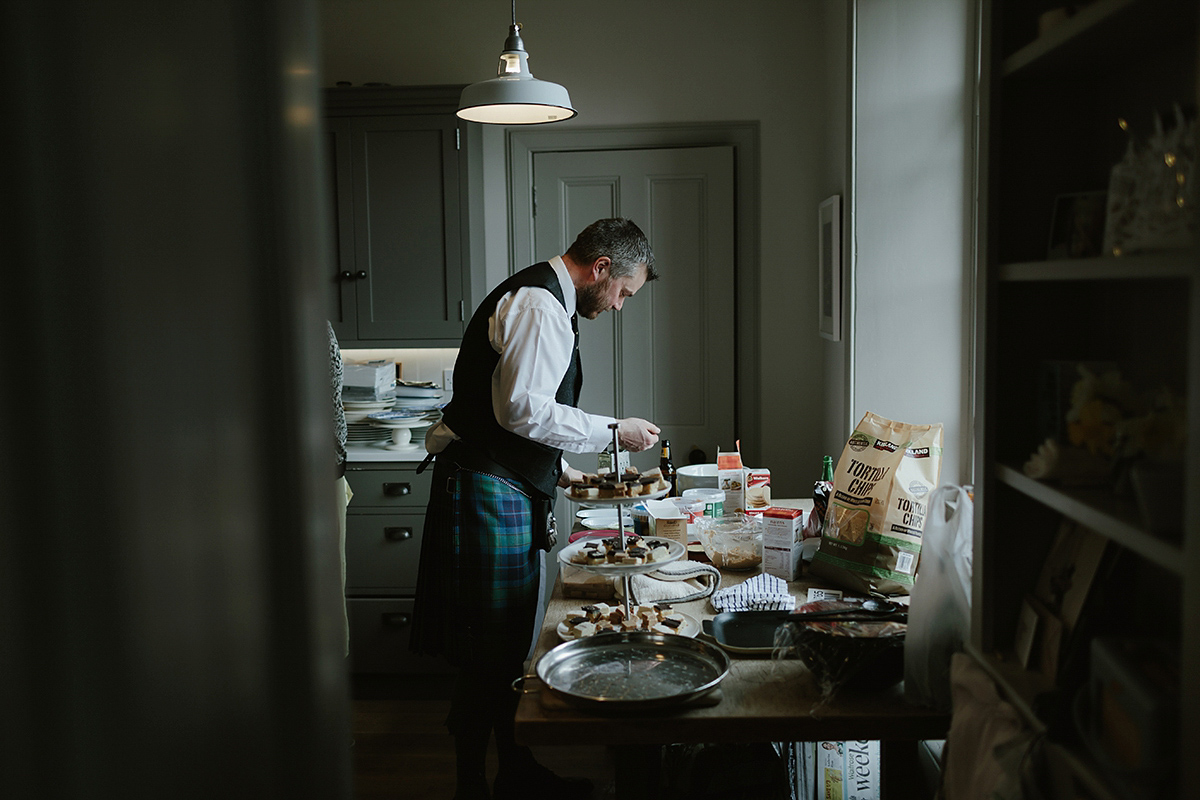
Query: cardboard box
782	562
370	375
667	520
758	488
782	527
783	531
731	477
848	770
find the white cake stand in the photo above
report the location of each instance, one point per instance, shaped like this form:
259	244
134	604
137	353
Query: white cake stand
401	429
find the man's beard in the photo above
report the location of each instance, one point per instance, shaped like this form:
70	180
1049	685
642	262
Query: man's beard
591	301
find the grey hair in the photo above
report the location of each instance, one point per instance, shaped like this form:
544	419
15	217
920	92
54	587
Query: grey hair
619	239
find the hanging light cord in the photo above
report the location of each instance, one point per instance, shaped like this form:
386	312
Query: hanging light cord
514	12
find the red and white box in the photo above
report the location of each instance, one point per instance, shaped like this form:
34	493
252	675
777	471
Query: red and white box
783	531
731	477
758	489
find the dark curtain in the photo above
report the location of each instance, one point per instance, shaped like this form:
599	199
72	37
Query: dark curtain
169	579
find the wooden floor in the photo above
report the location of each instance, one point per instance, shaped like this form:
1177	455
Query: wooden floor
402	750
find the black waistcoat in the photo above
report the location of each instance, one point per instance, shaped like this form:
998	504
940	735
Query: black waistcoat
470	414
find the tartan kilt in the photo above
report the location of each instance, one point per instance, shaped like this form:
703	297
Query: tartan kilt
479	574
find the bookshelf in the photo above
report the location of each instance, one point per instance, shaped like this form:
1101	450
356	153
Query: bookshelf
1050	104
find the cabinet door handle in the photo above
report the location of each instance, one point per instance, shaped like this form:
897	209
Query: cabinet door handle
346	275
396	620
361	274
397	489
397	534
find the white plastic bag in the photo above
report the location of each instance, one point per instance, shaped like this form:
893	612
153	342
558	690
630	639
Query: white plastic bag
939	612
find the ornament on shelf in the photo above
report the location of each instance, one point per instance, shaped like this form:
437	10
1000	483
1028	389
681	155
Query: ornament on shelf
1151	191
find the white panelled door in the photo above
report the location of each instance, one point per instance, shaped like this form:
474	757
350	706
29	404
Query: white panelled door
668	356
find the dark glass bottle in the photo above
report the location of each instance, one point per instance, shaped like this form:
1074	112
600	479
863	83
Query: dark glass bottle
667	467
822	489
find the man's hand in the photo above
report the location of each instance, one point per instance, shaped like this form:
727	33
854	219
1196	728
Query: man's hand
635	435
570	475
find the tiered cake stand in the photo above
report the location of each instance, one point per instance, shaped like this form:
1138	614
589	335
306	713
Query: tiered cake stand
675	550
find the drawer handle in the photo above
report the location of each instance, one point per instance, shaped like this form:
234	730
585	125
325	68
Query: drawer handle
397	534
396	620
397	489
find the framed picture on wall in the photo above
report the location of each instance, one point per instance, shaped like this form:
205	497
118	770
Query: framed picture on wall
829	268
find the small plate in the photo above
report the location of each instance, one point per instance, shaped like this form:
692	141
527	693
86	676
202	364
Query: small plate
411	422
618	501
602	524
688	629
609	520
393	416
675	551
418	407
584	513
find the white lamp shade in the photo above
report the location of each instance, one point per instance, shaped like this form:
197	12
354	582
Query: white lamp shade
515	101
514	96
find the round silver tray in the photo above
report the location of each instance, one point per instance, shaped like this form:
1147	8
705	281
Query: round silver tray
632	671
618	501
675	551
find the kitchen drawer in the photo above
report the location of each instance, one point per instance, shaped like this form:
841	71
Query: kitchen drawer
388	488
379	632
382	552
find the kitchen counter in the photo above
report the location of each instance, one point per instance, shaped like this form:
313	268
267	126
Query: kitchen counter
375	453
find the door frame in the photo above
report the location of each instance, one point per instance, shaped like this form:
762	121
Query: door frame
520	147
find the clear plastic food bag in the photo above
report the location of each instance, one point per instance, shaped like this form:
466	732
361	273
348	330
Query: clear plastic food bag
939	612
857	652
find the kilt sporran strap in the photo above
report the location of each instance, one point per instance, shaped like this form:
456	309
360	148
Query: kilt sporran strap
545	527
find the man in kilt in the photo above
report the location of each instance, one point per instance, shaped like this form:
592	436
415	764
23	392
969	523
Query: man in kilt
498	462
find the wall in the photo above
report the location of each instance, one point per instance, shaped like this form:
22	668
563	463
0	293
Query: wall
835	180
910	217
629	63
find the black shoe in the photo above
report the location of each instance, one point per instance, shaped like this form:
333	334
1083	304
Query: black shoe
537	783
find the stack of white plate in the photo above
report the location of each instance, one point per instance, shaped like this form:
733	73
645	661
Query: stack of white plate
358	410
364	433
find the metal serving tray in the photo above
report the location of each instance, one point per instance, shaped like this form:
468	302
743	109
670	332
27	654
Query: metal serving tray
632	671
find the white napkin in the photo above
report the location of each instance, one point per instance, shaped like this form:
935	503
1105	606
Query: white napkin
676	582
761	593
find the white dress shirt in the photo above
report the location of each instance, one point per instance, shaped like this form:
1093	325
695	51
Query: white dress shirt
532	333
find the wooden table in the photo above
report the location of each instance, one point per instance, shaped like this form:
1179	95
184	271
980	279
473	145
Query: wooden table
761	700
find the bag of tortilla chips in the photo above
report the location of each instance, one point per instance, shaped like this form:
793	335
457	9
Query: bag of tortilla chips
871	537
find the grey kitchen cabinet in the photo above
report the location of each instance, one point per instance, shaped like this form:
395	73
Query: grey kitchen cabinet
397	163
1055	107
383	547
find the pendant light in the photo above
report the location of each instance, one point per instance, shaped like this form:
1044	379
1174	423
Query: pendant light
514	96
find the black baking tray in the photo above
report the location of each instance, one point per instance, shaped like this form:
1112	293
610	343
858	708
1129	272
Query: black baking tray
746	632
753	632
